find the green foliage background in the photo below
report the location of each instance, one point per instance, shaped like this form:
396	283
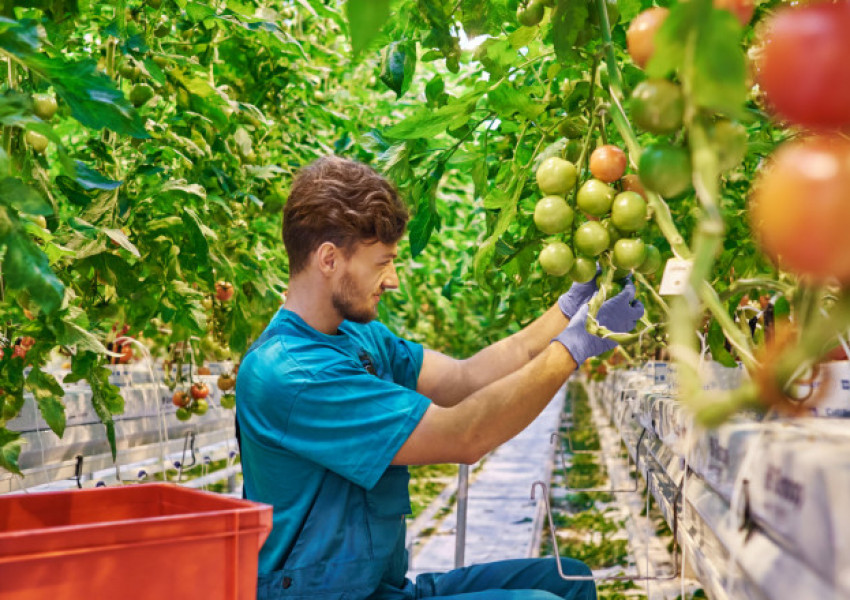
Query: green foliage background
147	207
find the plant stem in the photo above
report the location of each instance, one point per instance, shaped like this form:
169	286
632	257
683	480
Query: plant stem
661	302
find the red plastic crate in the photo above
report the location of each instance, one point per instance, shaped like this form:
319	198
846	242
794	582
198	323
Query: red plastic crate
145	542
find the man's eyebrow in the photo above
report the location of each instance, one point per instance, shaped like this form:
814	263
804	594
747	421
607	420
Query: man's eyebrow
390	255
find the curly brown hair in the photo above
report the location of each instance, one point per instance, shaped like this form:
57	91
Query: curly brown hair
340	201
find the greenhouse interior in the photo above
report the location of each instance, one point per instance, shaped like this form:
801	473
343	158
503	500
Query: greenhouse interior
403	299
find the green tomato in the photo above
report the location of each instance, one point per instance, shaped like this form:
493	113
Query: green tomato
629	253
553	215
628	212
183	414
36	141
652	262
532	14
199	406
658	106
583	270
614	234
556	176
141	93
129	69
556	259
729	141
228	401
665	169
595	197
44	106
591	239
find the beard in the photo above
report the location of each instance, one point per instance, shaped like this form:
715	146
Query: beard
350	301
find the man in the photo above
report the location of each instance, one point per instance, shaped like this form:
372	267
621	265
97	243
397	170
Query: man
333	407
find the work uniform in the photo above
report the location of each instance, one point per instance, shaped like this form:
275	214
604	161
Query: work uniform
321	418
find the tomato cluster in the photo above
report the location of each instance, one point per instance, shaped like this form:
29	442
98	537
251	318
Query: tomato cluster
613	206
193	402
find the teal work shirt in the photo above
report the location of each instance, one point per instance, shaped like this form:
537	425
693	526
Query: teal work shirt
321	418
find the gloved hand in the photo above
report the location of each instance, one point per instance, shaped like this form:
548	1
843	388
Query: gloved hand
619	314
578	294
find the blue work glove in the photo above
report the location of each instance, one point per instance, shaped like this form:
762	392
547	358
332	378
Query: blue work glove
619	314
578	294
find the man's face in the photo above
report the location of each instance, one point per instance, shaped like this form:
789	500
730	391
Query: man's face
365	276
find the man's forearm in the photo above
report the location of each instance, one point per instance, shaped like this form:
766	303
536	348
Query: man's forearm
492	415
513	352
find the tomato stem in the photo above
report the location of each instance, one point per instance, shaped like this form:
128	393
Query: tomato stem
656	296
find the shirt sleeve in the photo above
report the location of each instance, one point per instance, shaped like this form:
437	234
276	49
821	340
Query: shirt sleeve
351	422
405	356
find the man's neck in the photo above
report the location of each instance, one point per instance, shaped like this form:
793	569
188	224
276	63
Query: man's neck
313	305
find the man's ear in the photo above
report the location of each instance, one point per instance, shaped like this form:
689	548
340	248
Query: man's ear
327	258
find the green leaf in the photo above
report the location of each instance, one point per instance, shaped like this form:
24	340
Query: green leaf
426	123
70	335
716	343
25	267
90	179
507	100
486	252
399	66
120	238
180	185
426	219
105	399
421	227
18	195
92	96
47	392
718	72
366	18
568	19
10	450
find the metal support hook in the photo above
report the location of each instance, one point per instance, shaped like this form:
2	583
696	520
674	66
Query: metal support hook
188	443
566	577
611	490
78	470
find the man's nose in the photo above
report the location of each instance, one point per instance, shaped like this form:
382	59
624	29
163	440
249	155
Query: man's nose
391	279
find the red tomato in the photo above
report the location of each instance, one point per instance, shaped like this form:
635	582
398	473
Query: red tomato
608	163
223	291
631	183
199	390
641	34
804	64
126	354
800	208
180	398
